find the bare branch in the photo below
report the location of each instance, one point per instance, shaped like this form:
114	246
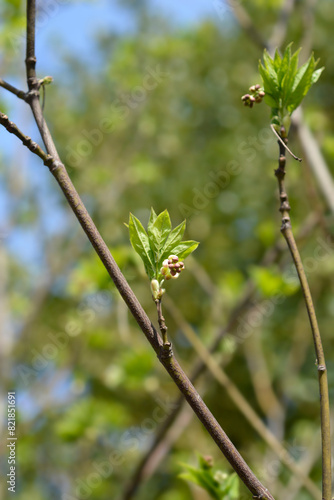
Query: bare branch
19	93
320	358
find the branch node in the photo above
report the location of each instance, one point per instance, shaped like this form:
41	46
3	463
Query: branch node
31	59
286	224
285	206
321	368
284	144
53	164
31	95
166	351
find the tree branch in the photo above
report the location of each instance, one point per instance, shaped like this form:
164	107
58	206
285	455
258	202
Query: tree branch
321	364
19	93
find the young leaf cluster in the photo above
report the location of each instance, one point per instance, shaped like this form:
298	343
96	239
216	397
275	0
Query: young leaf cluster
285	85
218	484
159	242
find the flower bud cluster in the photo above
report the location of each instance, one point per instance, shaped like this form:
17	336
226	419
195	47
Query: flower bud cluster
256	95
171	267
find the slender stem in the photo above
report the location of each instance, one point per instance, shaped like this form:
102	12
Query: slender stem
321	364
30	49
279	138
162	322
19	93
26	141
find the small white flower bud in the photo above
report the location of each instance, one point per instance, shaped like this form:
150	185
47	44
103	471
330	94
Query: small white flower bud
155	289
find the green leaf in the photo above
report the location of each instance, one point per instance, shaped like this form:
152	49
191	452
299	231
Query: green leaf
202	478
287	82
173	239
270	67
301	85
316	75
302	71
140	242
229	486
277	60
285	64
158	233
153	218
270	86
159	242
284	84
268	99
269	63
185	248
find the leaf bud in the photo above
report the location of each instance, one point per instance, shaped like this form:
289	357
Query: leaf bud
155	289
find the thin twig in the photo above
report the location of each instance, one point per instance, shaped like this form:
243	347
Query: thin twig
322	370
283	143
19	93
26	141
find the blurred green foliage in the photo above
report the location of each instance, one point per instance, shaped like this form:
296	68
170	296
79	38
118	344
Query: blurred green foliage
218	484
157	120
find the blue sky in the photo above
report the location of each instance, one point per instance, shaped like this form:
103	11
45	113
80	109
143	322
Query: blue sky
76	24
